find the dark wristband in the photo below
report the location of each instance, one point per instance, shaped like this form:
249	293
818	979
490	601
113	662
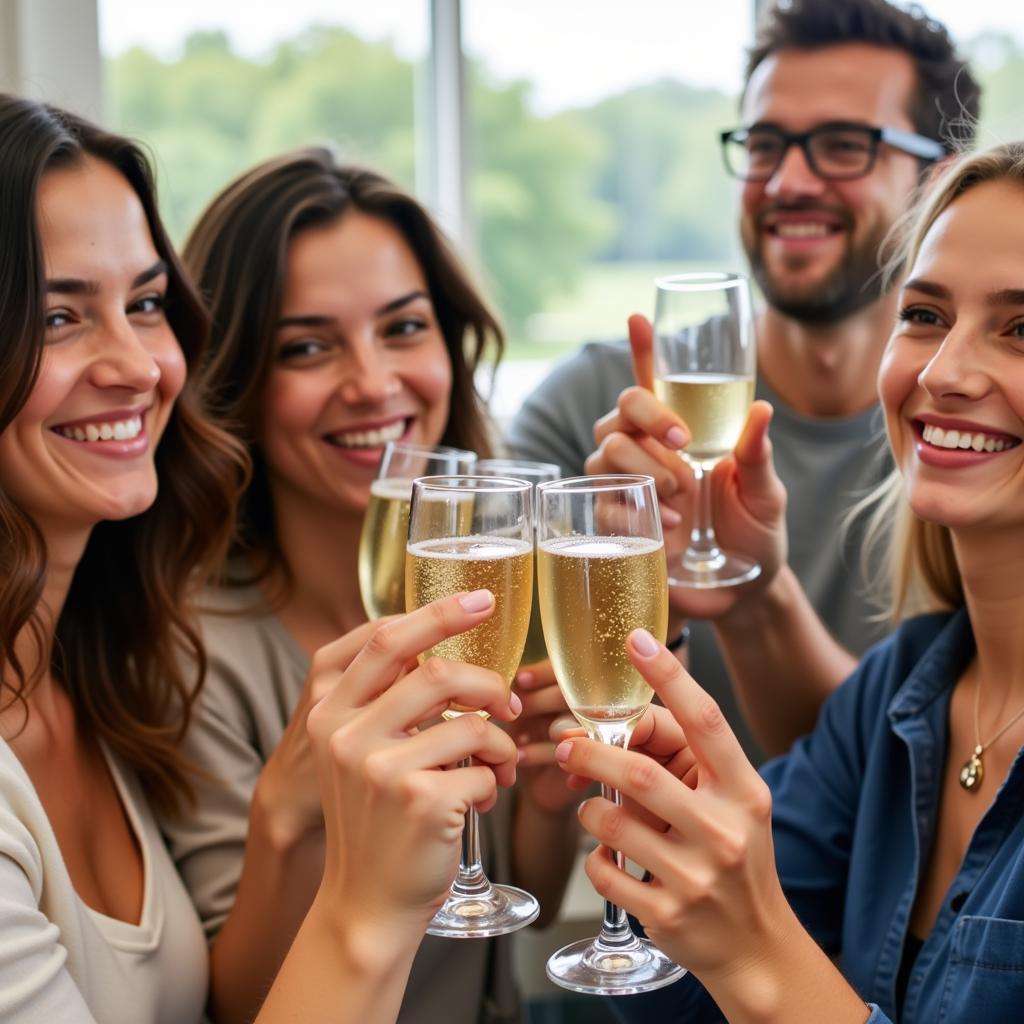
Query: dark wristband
680	641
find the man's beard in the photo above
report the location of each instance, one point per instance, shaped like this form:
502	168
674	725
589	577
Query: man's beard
856	282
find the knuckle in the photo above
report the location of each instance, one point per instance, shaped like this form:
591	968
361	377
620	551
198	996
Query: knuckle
759	802
342	750
641	774
613	824
710	716
616	447
475	726
731	850
376	771
381	641
668	916
434	672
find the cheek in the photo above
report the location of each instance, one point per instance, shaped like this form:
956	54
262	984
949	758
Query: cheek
173	370
429	375
897	382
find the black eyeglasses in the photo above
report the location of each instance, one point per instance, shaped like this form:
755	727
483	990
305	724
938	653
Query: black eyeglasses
837	151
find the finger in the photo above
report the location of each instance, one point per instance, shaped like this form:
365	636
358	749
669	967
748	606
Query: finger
446	743
623	453
390	647
536	755
548	701
643	413
536	676
707	733
432	688
641	899
658	734
330	662
564	727
618	828
641	347
458	789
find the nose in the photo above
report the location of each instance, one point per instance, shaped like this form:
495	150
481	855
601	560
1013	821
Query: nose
956	370
123	360
794	178
368	377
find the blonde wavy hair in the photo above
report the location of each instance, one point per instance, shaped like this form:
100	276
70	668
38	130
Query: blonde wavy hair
923	574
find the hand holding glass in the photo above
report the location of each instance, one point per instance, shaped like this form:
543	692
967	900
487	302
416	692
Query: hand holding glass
705	358
468	533
601	567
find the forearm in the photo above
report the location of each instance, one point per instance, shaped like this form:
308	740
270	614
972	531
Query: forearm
342	971
783	661
792	982
544	849
279	879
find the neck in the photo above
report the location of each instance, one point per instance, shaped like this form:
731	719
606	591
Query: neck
320	547
992	566
825	369
34	643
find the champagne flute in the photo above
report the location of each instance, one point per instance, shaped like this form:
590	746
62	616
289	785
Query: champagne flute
536	472
386	522
705	357
467	533
601	561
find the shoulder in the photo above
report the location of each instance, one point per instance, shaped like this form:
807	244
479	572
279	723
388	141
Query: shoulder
608	363
24	826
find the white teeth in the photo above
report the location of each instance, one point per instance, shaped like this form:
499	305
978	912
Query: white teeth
963	439
369	438
802	230
120	430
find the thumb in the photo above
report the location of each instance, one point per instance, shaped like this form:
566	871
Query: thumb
641	344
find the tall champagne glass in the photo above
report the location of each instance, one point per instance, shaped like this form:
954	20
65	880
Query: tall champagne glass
536	473
601	562
466	533
705	358
386	522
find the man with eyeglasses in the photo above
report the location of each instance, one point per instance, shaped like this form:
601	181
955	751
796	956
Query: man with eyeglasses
848	106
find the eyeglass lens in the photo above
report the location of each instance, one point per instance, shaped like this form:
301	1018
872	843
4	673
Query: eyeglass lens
831	152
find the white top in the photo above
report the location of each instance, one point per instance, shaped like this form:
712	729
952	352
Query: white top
62	962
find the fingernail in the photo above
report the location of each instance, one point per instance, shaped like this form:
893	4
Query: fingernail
524	678
677	437
513	699
520	756
670	517
562	751
476	601
643	643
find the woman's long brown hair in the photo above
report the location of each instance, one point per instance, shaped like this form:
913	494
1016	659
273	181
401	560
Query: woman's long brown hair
119	636
238	256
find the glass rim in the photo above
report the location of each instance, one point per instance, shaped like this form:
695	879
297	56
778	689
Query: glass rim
595	484
703	281
456	482
525	465
424	449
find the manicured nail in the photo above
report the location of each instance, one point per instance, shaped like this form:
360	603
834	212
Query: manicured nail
562	751
513	699
677	437
643	643
476	601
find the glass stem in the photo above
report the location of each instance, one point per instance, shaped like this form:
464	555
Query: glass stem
703	553
616	933
471	880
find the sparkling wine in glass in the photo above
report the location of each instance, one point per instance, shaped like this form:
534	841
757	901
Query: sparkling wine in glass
386	522
705	358
536	473
468	533
601	564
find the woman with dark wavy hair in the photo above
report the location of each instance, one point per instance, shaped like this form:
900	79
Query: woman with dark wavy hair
342	319
98	566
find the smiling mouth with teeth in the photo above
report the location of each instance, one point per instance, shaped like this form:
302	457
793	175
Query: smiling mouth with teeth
118	430
375	438
974	439
803	229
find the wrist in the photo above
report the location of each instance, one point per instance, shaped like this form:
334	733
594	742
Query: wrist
759	607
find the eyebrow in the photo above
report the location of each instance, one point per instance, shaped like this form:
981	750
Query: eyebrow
78	286
314	320
1002	297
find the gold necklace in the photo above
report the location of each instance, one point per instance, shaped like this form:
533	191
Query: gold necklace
973	770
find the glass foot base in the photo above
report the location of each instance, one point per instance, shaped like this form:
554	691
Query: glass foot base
603	971
498	910
722	570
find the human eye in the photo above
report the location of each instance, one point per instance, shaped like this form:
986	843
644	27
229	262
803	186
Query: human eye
1016	329
919	316
300	350
843	146
55	319
406	328
153	304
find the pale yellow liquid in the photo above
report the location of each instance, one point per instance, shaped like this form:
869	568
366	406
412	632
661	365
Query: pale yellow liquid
594	591
437	568
382	548
534	649
714	406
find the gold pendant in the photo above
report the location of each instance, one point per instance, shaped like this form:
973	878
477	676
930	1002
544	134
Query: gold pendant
973	771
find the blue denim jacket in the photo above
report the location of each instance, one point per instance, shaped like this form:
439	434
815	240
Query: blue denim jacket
855	806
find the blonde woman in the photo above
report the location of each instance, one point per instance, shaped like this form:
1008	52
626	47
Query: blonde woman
876	871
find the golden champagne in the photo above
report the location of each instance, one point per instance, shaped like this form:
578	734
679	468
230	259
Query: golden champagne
594	591
382	548
437	568
714	406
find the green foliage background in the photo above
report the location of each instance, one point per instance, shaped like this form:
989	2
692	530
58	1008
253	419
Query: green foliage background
635	177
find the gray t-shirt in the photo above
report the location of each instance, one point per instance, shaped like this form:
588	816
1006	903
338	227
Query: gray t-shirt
255	675
825	464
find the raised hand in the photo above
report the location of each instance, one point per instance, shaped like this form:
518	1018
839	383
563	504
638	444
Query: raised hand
393	817
642	435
